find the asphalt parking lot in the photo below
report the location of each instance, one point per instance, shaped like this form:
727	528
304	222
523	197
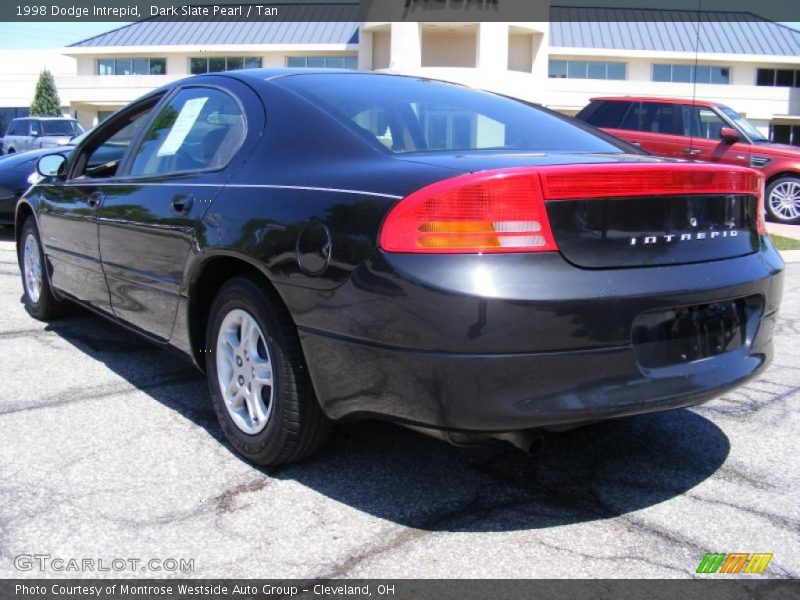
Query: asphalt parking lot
109	449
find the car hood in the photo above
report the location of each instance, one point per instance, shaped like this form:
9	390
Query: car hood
20	160
782	150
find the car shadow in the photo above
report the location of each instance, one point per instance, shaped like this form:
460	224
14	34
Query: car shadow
595	472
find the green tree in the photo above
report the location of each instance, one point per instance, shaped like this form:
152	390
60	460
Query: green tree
45	100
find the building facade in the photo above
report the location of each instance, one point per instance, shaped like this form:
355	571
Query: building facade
750	64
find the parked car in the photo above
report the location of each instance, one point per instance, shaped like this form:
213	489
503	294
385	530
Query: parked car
704	131
337	245
18	172
31	133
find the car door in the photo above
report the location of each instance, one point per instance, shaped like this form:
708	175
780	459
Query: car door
150	218
658	128
68	209
34	132
17	135
703	125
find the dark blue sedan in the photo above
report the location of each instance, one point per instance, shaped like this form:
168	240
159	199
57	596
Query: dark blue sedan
337	245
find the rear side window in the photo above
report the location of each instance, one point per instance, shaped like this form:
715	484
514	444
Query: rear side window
199	129
702	122
605	113
403	115
654	117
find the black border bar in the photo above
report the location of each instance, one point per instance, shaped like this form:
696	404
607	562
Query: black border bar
400	10
711	588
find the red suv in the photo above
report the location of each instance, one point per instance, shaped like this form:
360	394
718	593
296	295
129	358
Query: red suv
707	131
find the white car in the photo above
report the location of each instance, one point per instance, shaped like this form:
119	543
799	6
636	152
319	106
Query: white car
30	133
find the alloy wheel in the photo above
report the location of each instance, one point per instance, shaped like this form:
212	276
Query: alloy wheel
244	371
32	266
784	201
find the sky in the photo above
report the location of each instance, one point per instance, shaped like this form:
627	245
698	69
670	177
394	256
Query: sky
55	35
49	35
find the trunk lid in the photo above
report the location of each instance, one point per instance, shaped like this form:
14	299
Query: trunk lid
639	216
621	210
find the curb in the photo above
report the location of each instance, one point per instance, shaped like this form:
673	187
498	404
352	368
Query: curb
790	256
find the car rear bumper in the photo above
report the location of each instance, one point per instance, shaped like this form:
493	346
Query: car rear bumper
502	343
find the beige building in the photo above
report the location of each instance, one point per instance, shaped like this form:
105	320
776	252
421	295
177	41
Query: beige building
752	65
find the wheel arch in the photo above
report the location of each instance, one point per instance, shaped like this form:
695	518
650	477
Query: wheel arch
24	210
774	177
205	281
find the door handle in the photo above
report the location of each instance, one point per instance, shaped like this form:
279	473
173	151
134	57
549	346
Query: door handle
637	144
692	152
95	199
182	204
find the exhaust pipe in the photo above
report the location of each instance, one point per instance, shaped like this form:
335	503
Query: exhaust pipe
530	441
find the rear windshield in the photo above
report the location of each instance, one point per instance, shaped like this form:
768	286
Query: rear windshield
61	128
404	115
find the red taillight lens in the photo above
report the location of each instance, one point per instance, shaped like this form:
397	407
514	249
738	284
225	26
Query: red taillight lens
604	181
761	224
491	211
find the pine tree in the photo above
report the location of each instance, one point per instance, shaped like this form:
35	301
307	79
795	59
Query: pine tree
45	101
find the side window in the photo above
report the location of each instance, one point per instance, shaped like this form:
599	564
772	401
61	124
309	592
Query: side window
608	114
654	117
662	118
103	154
374	121
199	129
702	122
633	118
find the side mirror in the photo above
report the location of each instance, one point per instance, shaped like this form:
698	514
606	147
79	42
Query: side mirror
34	134
728	135
51	165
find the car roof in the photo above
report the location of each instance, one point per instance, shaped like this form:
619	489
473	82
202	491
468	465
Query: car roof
278	72
44	118
657	99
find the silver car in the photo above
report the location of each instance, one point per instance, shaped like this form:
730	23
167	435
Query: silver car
30	133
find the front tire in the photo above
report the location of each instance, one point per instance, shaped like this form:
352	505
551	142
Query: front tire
257	377
38	297
783	200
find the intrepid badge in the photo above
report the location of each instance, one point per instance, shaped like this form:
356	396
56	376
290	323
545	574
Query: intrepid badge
682	237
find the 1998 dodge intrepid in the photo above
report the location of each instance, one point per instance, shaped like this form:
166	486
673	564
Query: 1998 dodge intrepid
334	245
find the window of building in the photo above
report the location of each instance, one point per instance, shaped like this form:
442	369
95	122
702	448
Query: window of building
691	74
778	78
587	69
323	62
785	134
218	64
131	66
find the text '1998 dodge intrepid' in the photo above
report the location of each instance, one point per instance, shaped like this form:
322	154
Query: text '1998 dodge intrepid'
333	245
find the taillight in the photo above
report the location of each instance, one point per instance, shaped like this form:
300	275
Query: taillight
761	224
646	179
491	211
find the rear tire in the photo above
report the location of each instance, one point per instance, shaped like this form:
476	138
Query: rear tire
259	384
38	297
783	200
